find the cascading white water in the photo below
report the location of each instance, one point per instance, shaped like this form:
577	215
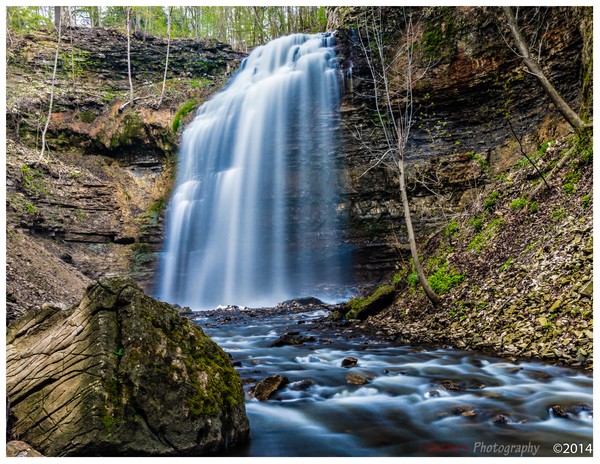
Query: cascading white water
255	218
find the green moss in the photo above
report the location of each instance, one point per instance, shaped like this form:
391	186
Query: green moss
358	303
182	112
533	207
132	129
483	164
87	116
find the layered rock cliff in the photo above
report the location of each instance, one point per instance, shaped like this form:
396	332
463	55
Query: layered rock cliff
93	206
470	89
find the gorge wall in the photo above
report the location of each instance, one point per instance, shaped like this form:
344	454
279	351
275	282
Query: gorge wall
94	205
472	86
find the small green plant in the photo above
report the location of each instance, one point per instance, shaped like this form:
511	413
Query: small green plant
182	112
558	214
451	229
30	208
585	201
506	265
413	279
444	279
483	164
396	279
120	352
518	203
491	200
568	188
33	181
533	207
476	223
483	237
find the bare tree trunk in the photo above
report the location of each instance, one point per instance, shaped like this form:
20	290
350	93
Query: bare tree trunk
129	55
433	297
51	89
571	117
57	17
397	131
162	93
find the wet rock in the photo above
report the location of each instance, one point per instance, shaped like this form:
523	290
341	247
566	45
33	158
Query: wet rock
292	338
356	379
500	419
465	411
305	301
129	365
301	385
450	385
577	409
432	394
558	411
266	387
350	361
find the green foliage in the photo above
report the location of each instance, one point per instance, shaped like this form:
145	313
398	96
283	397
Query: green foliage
506	265
483	164
585	201
558	214
477	223
451	229
518	203
120	352
491	200
24	19
568	188
182	112
533	207
33	181
413	279
30	208
444	279
397	278
482	238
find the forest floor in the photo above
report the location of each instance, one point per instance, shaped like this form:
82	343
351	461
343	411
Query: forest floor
514	273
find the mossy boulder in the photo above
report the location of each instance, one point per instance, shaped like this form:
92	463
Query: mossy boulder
121	374
361	308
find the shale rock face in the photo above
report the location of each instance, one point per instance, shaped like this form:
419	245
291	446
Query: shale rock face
121	374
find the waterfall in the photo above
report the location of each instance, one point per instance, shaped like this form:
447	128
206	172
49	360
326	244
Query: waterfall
256	216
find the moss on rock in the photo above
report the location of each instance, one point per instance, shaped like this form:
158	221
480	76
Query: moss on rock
142	379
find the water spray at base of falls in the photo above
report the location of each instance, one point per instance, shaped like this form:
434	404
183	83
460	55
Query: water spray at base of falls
256	216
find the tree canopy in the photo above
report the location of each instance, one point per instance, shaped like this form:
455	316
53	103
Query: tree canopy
240	26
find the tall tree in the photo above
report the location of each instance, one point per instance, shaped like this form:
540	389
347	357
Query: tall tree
58	29
396	123
563	107
128	19
162	93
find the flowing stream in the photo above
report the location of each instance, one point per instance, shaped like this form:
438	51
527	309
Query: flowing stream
417	402
256	218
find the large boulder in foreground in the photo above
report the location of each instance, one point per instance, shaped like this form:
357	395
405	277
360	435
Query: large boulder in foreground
121	374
